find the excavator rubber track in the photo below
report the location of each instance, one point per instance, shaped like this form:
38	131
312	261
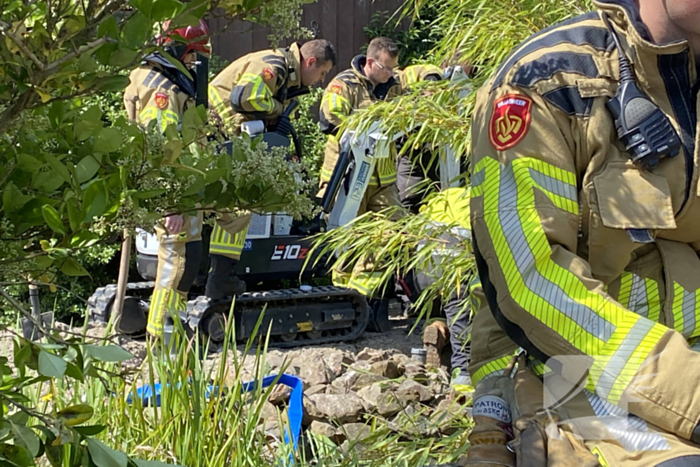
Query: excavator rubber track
295	317
137	296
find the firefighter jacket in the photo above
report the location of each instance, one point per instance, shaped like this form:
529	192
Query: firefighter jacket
255	86
415	73
579	251
348	91
158	91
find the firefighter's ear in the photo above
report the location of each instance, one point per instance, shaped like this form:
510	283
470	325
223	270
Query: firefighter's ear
310	62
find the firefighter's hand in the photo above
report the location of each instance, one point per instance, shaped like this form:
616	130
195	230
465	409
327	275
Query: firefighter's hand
174	223
284	126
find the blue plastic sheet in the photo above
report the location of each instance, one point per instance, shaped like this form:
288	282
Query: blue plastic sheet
150	395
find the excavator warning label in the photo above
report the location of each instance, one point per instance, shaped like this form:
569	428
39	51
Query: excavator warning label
362	175
305	327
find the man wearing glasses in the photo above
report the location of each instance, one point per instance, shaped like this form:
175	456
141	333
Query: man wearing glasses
369	79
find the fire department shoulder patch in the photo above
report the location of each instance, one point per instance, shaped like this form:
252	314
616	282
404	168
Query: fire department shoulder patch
335	88
510	120
161	100
268	74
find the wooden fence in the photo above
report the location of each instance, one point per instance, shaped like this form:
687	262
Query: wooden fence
339	21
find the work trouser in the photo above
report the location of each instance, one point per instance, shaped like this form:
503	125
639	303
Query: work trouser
366	277
179	257
458	318
412	174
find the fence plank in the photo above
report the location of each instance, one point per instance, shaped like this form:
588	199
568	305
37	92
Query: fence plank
340	21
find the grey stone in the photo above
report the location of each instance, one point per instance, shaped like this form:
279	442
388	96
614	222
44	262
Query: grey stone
345	408
313	371
372	355
412	391
323	429
338	362
386	368
415	371
356	432
345	383
280	394
380	398
318	389
446	413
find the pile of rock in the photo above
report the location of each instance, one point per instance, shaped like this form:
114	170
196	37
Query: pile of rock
344	391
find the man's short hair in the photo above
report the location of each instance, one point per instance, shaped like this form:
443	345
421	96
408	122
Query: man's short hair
379	44
321	49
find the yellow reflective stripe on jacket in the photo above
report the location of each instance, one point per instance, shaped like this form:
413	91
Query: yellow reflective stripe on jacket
640	294
386	170
224	243
219	105
260	97
367	283
492	368
686	311
336	104
164	117
617	339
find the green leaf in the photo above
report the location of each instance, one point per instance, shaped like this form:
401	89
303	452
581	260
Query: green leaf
114	83
71	267
102	456
56	112
171	151
27	438
107	353
74	217
95	201
135	31
53	453
144	6
87	64
76	414
90	430
74	372
104	53
58	167
87	168
108	140
47	181
53	219
16	454
123	57
165	9
50	365
108	27
28	163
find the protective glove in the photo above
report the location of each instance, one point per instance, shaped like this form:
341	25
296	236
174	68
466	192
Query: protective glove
492	422
284	126
542	440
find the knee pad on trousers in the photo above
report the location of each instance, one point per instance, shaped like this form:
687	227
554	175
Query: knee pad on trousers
193	258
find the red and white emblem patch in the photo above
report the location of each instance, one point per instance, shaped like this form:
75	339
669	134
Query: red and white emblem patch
335	88
161	100
268	74
510	120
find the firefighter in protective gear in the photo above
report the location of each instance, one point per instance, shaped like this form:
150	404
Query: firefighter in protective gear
160	92
370	78
450	208
255	87
412	169
581	253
